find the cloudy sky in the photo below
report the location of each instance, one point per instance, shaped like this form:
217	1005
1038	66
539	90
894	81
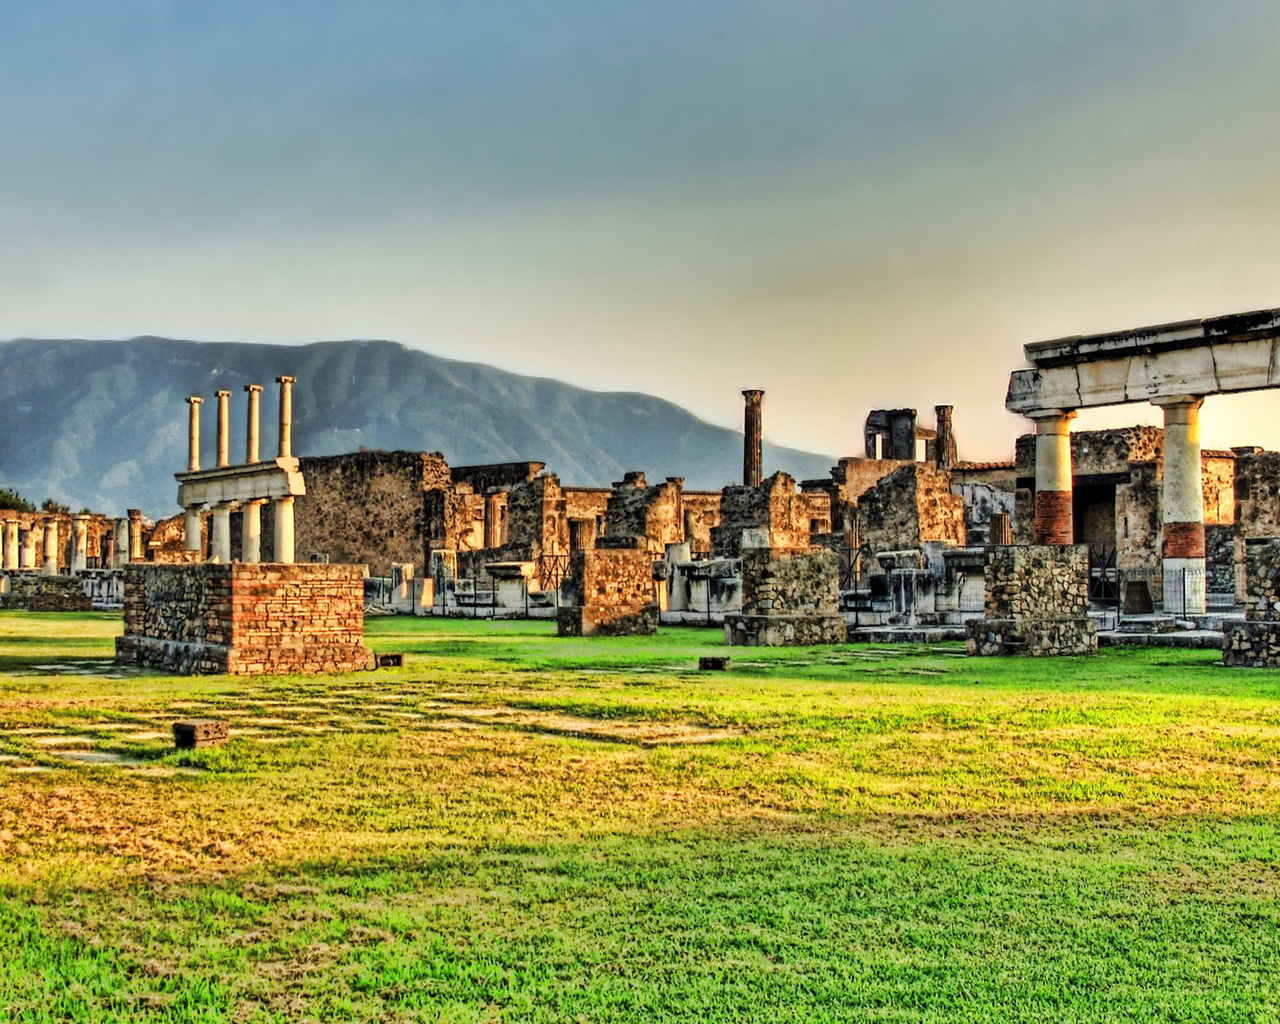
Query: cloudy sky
848	203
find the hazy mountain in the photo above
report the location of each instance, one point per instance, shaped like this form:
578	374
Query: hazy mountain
103	423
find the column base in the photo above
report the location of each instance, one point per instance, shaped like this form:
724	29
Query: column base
1184	586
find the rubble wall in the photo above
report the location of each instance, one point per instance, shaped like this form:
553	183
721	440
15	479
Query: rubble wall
244	619
614	594
35	593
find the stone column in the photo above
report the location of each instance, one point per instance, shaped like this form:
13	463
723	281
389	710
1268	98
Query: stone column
286	429
11	543
253	422
191	529
1053	524
220	539
493	521
135	535
79	543
122	544
193	434
27	553
224	428
50	567
752	439
944	445
284	529
1183	547
251	530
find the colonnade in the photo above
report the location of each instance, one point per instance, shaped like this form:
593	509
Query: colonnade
1182	547
250	507
33	544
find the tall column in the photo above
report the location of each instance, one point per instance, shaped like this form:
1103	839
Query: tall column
27	553
11	543
135	535
50	567
284	529
253	422
251	530
221	533
224	428
1183	547
121	546
79	543
286	421
493	520
1053	523
752	439
193	434
944	445
191	531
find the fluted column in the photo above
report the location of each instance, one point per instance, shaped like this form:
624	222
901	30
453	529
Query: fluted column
193	434
1053	521
253	424
752	439
1183	515
50	567
224	428
284	529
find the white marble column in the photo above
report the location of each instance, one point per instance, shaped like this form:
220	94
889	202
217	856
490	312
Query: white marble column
50	567
191	529
79	543
284	529
1182	549
221	533
251	530
121	546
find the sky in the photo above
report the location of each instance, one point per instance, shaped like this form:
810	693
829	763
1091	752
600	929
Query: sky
850	204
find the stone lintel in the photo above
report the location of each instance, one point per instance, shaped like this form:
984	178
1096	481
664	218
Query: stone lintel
278	479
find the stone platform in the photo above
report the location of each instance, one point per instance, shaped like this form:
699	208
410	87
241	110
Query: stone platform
244	618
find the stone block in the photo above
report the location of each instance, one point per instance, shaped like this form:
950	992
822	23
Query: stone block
199	732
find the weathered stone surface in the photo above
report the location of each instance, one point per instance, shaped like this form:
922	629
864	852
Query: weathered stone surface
1034	637
199	732
244	619
1262	580
614	593
1253	644
910	507
789	598
1037	603
33	593
789	517
783	630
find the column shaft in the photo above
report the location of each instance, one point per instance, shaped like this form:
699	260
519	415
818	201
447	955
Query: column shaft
284	529
224	428
752	439
253	421
50	567
286	417
11	543
191	529
193	434
251	531
1053	521
79	543
1183	514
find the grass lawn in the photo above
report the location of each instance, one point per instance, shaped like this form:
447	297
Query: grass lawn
515	827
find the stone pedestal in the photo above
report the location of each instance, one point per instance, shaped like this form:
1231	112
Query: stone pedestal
1037	603
789	598
613	591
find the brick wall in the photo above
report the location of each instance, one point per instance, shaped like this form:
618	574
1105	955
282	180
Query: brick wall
244	619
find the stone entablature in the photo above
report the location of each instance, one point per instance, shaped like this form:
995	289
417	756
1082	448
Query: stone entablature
244	618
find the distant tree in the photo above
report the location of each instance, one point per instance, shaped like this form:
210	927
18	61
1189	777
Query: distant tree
55	508
14	502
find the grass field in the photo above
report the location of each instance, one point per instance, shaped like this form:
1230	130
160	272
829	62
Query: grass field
515	827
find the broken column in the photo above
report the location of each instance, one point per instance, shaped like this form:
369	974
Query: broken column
1053	521
752	440
253	421
79	543
121	547
224	428
944	444
135	535
50	567
493	520
1183	543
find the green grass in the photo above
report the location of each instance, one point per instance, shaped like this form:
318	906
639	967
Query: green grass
519	827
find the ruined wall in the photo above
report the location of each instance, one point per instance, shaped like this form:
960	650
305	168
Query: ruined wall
1256	642
496	475
1257	494
654	513
775	506
789	598
911	507
34	593
366	508
613	594
537	523
701	516
1037	603
244	619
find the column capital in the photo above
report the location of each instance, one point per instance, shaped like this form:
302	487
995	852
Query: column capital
1052	421
1174	401
194	400
252	388
283	379
222	393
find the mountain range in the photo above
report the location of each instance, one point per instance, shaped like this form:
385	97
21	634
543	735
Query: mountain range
103	424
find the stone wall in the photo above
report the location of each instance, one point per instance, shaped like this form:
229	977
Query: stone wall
701	516
775	506
613	593
1037	603
910	507
1220	560
789	598
244	619
364	508
653	513
1257	494
34	593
